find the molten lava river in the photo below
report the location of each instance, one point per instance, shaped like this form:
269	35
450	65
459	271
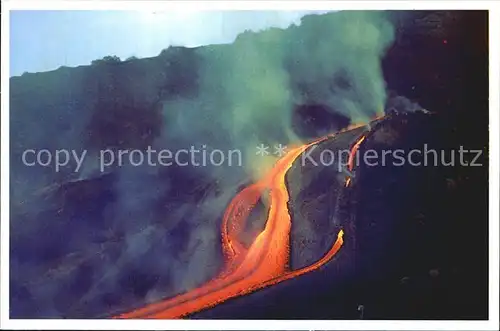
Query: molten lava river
264	263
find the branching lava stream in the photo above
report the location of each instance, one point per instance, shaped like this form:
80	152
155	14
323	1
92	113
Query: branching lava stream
264	263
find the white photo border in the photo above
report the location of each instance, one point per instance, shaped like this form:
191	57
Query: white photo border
494	149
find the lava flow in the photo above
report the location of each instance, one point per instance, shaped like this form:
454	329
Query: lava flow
352	156
264	263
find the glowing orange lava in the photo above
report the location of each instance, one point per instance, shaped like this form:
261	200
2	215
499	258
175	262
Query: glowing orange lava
264	263
352	154
352	157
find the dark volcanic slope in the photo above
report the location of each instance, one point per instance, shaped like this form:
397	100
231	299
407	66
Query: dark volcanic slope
316	192
419	246
405	239
84	245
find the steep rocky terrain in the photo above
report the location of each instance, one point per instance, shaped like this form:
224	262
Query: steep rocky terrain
91	243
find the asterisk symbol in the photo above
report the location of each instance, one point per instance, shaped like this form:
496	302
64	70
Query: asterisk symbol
280	150
262	150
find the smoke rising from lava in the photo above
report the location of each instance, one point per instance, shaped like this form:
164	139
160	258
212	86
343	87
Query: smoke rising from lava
233	96
247	92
